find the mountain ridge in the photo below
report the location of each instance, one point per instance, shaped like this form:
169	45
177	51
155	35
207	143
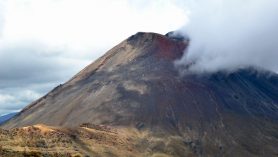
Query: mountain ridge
6	117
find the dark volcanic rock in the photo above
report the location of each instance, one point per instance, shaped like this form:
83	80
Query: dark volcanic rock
135	84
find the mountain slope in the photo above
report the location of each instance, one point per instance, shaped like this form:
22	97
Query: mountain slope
128	67
136	85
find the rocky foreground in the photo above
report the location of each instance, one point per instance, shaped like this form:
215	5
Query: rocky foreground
90	140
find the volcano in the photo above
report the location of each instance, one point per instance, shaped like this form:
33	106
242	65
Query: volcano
136	86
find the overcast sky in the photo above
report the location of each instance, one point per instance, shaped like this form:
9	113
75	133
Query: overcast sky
45	42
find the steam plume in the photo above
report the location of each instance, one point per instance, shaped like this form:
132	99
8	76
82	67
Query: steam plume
230	35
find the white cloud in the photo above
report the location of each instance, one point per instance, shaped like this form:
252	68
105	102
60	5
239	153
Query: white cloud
228	35
86	25
8	103
29	95
12	100
6	98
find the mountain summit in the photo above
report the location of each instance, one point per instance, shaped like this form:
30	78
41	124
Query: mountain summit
119	88
136	85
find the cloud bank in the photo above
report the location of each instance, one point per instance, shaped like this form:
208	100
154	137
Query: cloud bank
230	35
